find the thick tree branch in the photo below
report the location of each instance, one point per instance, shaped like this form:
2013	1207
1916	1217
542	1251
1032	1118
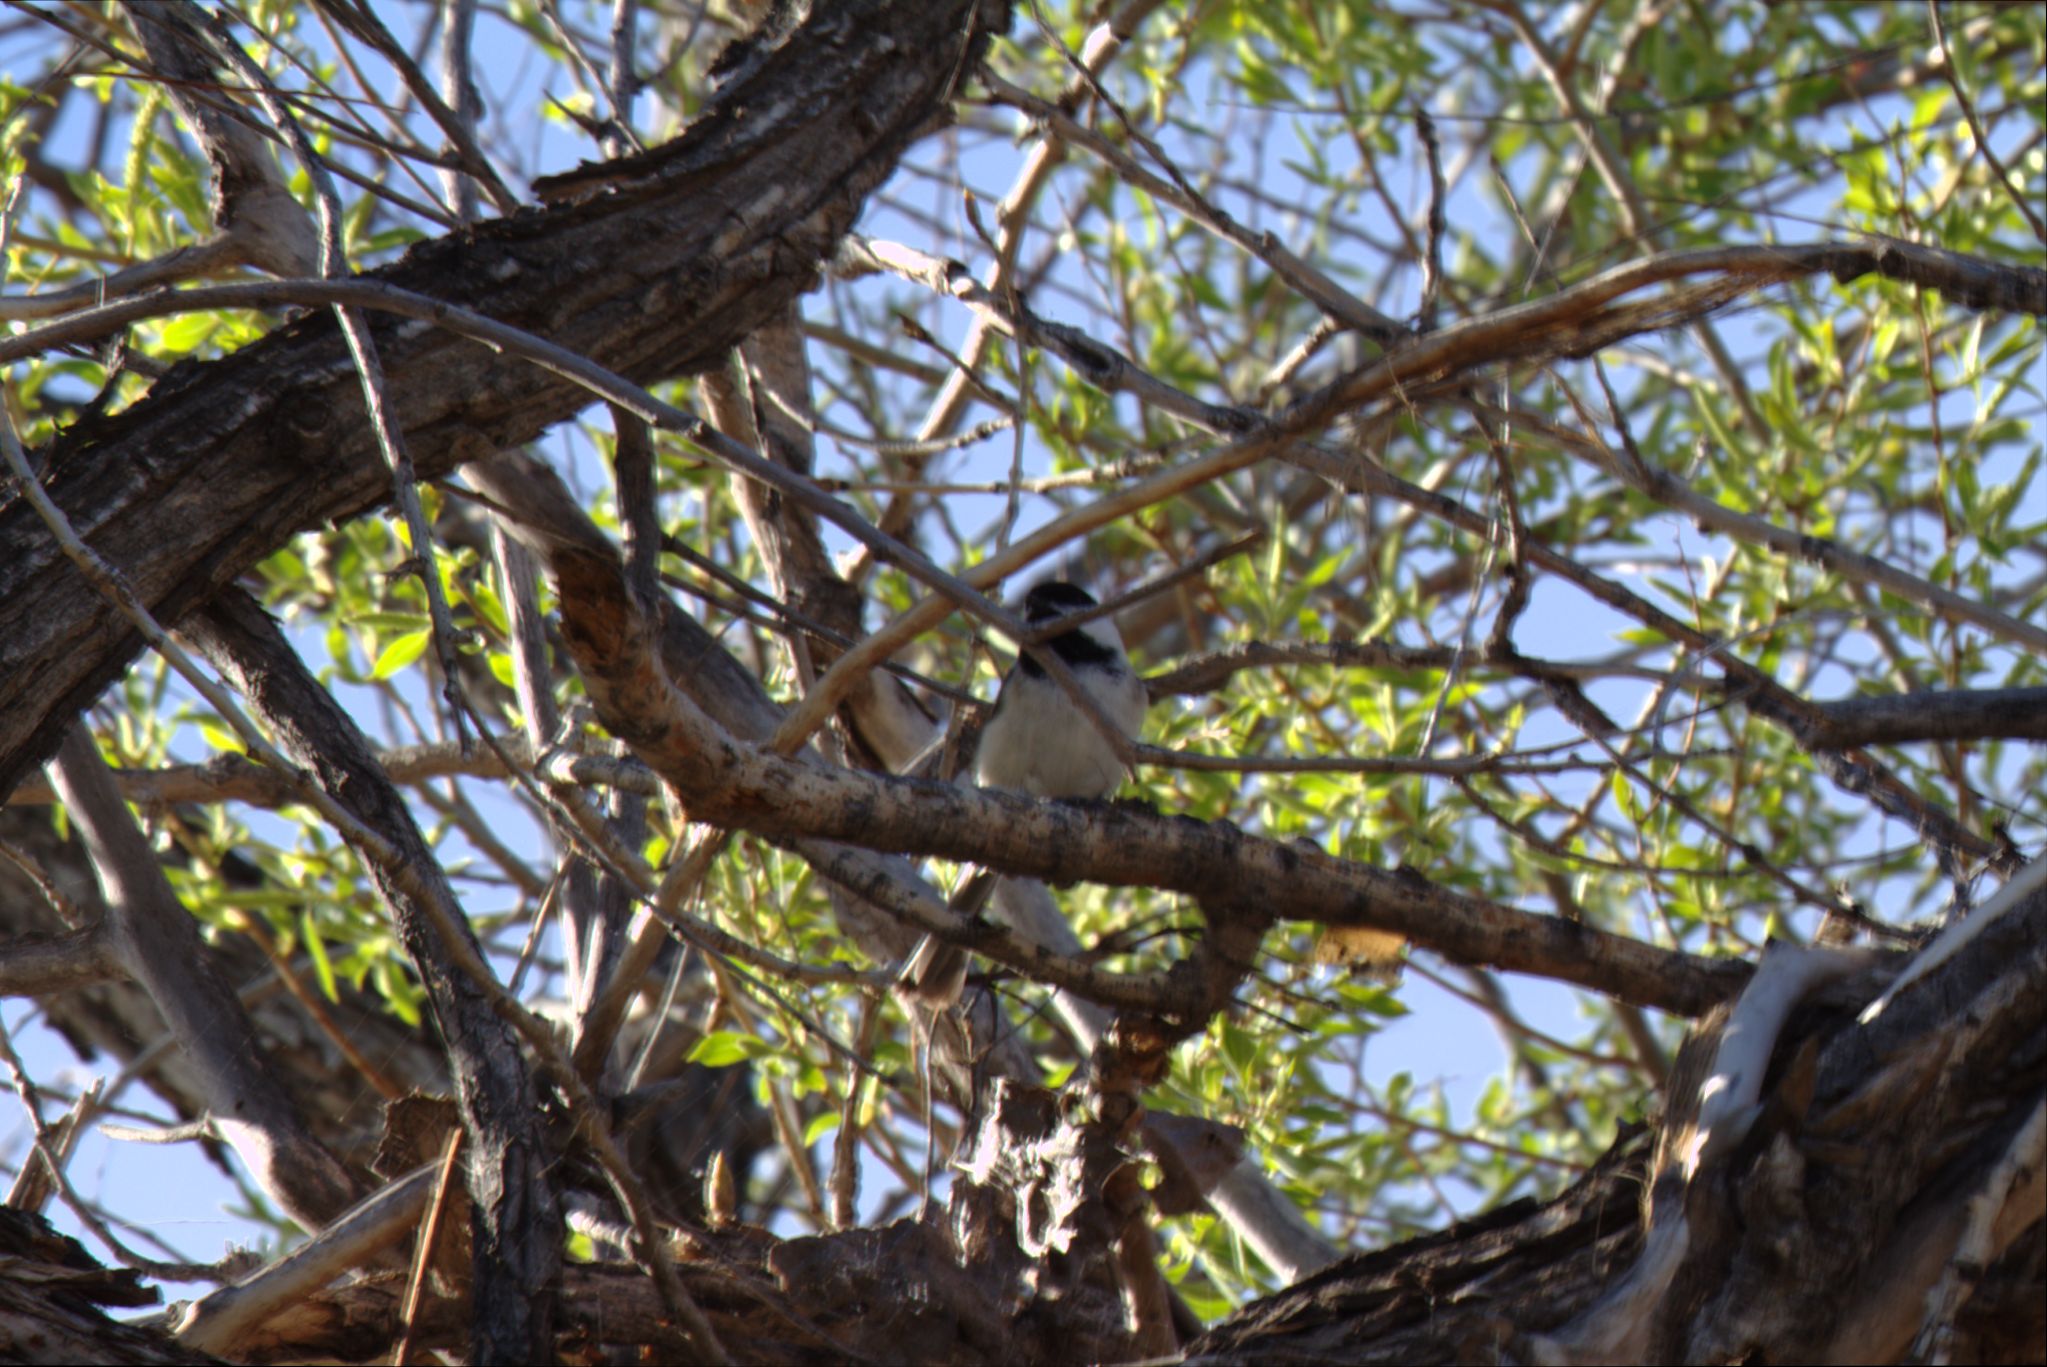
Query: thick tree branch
1814	1236
1949	714
37	966
225	460
729	783
515	1213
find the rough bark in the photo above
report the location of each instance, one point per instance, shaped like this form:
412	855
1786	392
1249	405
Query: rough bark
660	276
1818	1239
685	253
516	1211
1810	1235
50	1301
1808	1238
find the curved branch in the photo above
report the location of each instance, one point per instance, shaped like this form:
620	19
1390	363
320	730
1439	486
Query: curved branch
157	942
224	461
729	783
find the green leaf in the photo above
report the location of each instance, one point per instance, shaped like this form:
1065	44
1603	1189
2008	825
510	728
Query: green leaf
401	653
723	1048
316	947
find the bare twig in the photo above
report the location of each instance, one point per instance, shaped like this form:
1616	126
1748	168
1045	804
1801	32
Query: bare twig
1976	129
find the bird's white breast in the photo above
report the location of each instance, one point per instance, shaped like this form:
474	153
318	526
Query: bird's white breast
1039	743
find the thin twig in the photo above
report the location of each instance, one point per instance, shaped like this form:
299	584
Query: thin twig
1976	129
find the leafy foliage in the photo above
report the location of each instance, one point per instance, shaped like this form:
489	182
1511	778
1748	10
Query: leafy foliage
1563	752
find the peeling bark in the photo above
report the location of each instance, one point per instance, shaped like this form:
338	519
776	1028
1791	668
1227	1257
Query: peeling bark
50	1301
1815	1237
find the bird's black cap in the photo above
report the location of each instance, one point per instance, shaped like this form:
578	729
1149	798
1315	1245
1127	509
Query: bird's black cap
1053	599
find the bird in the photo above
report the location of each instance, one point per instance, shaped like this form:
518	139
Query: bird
1039	742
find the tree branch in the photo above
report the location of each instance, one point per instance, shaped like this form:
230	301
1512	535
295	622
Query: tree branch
729	783
158	943
516	1214
224	461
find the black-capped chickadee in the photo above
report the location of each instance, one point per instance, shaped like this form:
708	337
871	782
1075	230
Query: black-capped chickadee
1039	742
